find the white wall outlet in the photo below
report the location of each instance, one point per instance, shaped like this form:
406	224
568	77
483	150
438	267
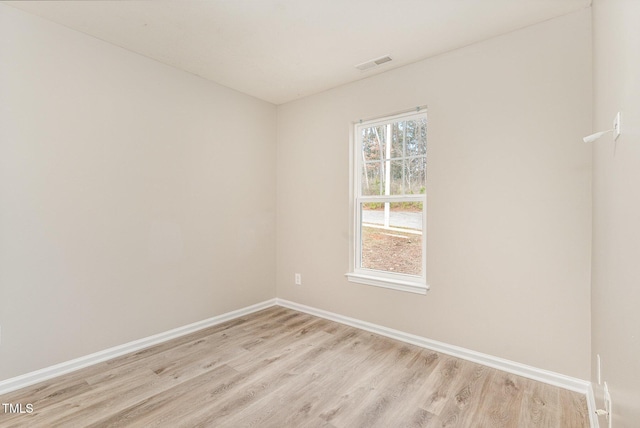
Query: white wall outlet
616	127
599	369
608	407
298	279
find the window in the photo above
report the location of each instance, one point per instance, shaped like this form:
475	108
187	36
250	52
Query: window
389	176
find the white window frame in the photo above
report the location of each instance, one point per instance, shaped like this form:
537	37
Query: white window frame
397	281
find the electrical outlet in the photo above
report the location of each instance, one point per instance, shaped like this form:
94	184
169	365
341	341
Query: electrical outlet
608	407
298	279
599	369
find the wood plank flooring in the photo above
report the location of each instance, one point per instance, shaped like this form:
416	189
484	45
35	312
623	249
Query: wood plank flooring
282	368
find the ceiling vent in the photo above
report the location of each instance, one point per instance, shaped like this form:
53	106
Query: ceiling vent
373	63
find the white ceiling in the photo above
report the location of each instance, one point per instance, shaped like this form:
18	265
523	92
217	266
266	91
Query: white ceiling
281	50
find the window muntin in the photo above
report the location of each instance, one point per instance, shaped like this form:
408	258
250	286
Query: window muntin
390	167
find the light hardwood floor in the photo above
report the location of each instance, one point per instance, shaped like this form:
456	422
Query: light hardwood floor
282	368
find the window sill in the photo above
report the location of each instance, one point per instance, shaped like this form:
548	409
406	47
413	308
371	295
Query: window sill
394	284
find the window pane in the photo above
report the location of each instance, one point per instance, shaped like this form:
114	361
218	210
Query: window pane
396	178
372	179
397	139
391	237
373	143
415	175
416	137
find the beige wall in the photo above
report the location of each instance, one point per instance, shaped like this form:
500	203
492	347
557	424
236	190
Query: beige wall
509	197
616	203
123	212
134	198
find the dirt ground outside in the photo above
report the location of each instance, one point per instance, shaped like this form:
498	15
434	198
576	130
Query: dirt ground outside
391	251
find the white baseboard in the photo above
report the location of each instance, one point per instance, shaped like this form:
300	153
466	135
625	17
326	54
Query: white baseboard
545	376
552	378
47	373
